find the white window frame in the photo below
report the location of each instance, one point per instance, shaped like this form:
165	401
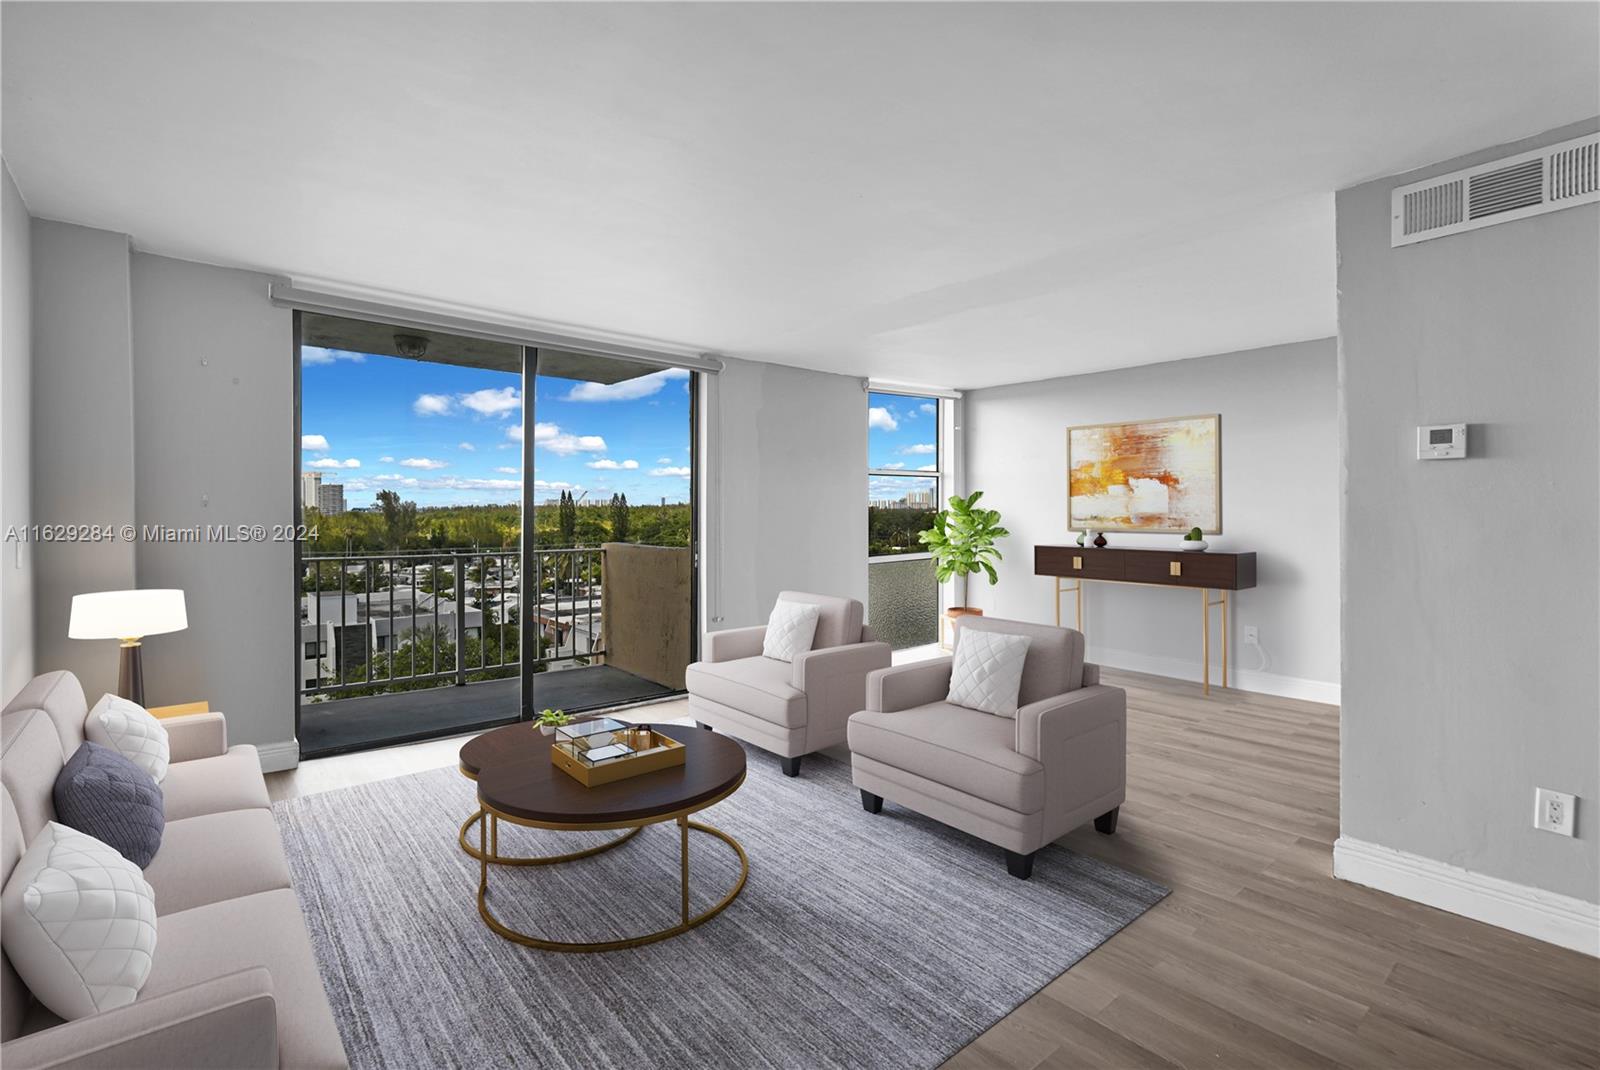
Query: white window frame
939	457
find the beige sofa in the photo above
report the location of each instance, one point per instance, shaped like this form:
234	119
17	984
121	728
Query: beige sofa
1020	784
234	983
789	709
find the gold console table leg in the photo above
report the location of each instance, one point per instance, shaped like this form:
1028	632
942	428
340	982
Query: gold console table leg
1077	591
1205	638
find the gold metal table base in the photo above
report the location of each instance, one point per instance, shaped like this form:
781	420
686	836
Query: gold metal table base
488	851
1076	590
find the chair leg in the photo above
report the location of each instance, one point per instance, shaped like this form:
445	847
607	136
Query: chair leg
791	766
702	724
1106	823
1020	866
872	804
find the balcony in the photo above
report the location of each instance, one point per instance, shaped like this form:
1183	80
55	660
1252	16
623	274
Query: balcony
403	646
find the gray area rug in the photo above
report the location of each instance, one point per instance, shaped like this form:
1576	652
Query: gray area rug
860	941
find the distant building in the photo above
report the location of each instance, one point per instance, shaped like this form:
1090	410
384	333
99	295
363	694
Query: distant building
310	490
920	499
330	499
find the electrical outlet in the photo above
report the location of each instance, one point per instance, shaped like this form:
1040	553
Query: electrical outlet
1554	811
1252	636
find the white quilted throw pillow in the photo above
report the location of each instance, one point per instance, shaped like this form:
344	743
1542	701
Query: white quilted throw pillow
790	630
79	923
129	729
987	671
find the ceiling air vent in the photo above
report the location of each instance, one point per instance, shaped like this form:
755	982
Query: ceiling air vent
1528	184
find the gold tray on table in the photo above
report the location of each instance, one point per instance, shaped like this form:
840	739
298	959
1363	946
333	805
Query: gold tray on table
603	750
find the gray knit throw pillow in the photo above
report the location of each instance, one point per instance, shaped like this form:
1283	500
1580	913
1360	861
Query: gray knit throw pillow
111	798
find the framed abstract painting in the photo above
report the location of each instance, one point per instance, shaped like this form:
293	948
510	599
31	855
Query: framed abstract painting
1146	475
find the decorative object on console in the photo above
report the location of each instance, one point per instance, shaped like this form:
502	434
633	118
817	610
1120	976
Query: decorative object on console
1100	539
1146	475
1195	540
128	616
604	750
109	796
549	720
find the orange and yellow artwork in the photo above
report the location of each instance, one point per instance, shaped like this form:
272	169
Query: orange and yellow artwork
1146	475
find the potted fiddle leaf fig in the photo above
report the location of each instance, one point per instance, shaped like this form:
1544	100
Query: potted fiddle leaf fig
961	540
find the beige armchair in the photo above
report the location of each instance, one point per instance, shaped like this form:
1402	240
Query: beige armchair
789	709
1020	784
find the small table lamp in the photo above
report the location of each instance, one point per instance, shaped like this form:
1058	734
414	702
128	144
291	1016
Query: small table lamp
129	616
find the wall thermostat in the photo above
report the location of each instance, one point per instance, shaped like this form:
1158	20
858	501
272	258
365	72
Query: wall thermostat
1441	442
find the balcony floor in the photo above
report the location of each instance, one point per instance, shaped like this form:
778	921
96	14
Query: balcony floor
380	720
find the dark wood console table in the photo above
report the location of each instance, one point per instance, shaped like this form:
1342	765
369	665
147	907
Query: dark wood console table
1204	570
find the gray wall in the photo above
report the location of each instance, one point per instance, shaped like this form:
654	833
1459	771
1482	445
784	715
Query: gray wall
213	388
786	481
1470	587
1280	499
16	424
82	435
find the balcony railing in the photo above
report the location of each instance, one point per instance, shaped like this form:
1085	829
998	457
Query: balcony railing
396	621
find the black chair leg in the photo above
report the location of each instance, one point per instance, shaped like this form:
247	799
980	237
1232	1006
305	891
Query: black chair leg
872	804
1020	866
1106	823
791	766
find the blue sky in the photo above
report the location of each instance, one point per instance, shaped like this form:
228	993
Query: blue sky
902	436
447	435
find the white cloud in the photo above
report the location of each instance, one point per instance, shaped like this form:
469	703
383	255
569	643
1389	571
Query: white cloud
663	460
313	442
514	432
928	468
432	405
562	443
331	462
469	447
395	479
882	419
313	355
629	389
607	464
508	470
489	402
920	448
929	407
386	460
681	471
427	463
895	464
557	485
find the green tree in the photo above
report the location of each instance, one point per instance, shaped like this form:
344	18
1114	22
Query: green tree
619	518
567	518
399	519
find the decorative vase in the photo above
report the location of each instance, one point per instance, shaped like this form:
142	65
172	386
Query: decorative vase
1100	538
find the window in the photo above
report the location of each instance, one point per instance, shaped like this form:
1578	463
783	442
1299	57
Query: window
315	650
903	476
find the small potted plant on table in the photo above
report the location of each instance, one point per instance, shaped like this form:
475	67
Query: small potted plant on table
961	541
550	720
1195	540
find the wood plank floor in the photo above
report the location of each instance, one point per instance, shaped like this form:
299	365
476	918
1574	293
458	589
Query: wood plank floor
1258	958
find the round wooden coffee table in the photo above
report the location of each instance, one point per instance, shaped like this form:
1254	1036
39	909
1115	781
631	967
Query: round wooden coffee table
518	783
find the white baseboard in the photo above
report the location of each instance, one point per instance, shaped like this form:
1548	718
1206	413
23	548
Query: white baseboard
1263	683
1547	916
276	757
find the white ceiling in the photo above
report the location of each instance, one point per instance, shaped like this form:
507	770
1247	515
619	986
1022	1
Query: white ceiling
958	194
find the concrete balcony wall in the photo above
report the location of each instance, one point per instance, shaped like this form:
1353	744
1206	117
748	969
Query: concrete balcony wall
646	625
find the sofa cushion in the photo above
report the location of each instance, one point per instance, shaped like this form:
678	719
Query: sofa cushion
759	686
790	630
973	753
213	857
79	923
263	930
30	759
61	697
986	672
1055	655
113	799
129	728
230	781
838	619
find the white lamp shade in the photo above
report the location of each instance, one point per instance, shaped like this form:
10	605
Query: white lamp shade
126	614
